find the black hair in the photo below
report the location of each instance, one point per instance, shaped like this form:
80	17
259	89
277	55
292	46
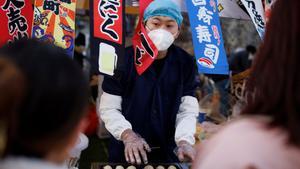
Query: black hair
11	93
55	99
251	49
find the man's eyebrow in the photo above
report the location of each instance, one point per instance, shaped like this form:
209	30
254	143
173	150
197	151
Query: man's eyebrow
170	20
156	18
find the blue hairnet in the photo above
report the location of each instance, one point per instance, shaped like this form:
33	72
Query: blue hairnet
163	8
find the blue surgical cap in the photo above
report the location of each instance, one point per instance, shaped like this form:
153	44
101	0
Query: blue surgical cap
163	8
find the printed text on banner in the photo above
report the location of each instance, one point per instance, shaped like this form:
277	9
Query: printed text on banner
145	51
16	20
54	22
207	36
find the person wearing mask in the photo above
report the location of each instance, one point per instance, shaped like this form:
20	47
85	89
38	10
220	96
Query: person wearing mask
149	115
268	136
52	112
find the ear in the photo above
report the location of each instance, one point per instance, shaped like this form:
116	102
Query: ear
176	36
179	30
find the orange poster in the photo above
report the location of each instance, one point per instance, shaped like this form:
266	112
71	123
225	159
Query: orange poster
54	22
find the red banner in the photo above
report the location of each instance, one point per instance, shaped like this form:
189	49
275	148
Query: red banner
107	38
108	20
145	51
16	20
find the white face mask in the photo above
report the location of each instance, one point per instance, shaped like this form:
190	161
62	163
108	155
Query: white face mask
161	38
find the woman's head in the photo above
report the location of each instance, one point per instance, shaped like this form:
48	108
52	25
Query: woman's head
55	98
274	85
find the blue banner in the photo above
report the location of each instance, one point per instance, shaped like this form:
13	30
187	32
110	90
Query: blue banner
207	36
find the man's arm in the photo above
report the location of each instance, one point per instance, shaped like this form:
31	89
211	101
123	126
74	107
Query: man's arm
186	120
110	113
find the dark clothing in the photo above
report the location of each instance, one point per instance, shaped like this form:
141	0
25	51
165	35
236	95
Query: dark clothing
79	41
158	65
150	102
239	62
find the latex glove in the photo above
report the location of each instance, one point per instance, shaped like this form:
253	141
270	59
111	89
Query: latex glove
185	152
135	147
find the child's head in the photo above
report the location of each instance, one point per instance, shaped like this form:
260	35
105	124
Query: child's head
51	114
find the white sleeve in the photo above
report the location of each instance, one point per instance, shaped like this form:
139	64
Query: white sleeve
186	120
110	113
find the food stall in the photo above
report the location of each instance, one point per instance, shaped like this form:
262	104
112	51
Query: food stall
211	116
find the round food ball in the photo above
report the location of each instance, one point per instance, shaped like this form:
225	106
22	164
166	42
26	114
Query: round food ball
148	167
119	167
160	167
107	167
131	167
172	167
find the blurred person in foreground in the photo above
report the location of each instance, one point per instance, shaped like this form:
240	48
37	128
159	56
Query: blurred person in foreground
52	112
11	89
268	136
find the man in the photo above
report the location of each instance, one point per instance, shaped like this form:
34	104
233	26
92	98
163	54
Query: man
241	60
149	115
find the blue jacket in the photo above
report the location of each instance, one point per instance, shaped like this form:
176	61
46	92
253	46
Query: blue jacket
150	102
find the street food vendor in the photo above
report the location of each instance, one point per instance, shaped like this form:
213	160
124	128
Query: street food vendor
152	117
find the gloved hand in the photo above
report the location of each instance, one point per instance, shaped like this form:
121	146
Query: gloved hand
135	147
185	152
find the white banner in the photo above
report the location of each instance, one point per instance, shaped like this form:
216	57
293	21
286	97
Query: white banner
256	11
232	9
226	8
